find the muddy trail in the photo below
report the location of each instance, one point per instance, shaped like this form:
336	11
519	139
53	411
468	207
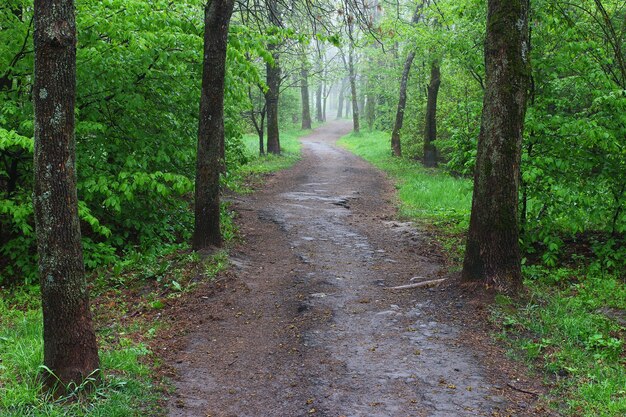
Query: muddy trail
303	322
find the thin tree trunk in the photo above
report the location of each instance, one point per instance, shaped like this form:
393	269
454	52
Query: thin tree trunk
396	147
492	255
273	86
370	110
325	91
318	104
342	89
259	126
370	104
355	105
271	102
430	129
304	93
362	90
217	14
70	348
261	131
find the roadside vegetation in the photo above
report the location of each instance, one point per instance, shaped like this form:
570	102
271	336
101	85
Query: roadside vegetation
570	324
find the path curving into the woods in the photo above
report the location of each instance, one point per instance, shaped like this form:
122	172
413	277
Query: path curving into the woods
302	324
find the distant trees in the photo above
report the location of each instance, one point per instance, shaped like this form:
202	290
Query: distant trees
492	255
70	349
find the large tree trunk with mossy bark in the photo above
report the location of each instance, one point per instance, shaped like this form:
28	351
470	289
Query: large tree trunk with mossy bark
492	255
430	129
209	162
396	147
304	94
70	349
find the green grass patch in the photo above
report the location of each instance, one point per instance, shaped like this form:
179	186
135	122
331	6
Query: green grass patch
570	329
126	389
424	194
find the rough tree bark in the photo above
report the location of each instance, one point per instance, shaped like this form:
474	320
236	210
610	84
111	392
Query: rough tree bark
304	93
217	14
492	255
342	89
396	147
430	129
273	85
70	348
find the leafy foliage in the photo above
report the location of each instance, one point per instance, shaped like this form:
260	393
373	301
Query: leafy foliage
138	80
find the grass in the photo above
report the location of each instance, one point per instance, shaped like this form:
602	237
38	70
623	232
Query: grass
565	326
127	389
567	329
424	194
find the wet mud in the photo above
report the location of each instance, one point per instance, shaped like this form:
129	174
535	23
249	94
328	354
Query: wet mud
305	324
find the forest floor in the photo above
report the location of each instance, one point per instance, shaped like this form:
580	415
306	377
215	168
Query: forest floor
304	323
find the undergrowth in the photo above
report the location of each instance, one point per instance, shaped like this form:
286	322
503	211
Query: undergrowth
571	322
126	297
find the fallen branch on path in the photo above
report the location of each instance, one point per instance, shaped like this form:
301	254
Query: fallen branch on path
431	283
521	389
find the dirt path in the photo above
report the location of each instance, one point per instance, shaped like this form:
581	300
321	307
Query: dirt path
302	324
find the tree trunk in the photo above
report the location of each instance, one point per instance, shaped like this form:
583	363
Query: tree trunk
271	102
370	110
396	147
273	86
492	255
261	132
325	91
355	105
342	89
207	232
362	90
70	348
318	104
430	130
304	93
